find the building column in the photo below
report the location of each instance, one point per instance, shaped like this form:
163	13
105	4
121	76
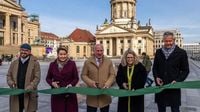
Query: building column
104	46
7	37
19	27
97	41
122	11
125	44
118	49
128	10
146	45
134	8
132	43
111	47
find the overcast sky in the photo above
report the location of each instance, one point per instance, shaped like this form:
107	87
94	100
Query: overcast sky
61	17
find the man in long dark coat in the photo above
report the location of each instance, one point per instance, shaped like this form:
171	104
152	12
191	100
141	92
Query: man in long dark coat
170	66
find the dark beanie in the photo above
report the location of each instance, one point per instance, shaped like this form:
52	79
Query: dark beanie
25	46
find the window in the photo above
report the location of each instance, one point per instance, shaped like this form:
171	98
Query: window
22	36
22	27
129	41
121	41
121	51
14	25
84	49
29	32
13	38
108	52
1	23
1	38
107	41
139	41
29	40
101	42
139	51
125	14
16	36
77	49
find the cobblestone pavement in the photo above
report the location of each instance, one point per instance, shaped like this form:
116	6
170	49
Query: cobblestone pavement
190	97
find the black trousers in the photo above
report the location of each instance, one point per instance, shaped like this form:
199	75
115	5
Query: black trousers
162	108
94	109
21	102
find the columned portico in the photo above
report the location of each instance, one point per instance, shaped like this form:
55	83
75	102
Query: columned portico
124	31
13	19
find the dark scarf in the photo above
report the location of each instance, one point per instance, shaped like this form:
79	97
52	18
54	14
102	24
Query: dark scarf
168	51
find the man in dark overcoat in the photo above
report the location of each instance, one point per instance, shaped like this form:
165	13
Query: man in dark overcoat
170	66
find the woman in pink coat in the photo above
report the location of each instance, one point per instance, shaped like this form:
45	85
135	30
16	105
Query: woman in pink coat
63	73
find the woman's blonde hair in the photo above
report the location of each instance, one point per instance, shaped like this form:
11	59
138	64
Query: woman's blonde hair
124	57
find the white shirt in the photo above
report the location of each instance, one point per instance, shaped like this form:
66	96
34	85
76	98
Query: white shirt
23	60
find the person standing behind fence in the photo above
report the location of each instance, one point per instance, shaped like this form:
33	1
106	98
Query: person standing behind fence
170	66
98	72
147	64
24	73
63	73
131	75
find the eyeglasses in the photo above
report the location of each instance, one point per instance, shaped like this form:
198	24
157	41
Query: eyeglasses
129	57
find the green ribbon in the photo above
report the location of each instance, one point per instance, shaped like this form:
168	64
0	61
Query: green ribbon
110	91
9	91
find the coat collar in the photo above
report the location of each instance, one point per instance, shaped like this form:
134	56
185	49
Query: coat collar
29	68
93	60
176	49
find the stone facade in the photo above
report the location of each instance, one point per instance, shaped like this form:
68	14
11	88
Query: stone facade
80	44
192	49
15	25
124	31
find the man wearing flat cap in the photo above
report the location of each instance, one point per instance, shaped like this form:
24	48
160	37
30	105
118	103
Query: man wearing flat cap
24	73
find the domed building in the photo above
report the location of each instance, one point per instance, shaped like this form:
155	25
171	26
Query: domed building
124	31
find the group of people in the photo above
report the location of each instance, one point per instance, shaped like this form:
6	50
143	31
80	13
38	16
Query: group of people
7	57
170	66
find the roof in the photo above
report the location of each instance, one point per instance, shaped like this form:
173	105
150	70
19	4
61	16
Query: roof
49	36
80	35
144	27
